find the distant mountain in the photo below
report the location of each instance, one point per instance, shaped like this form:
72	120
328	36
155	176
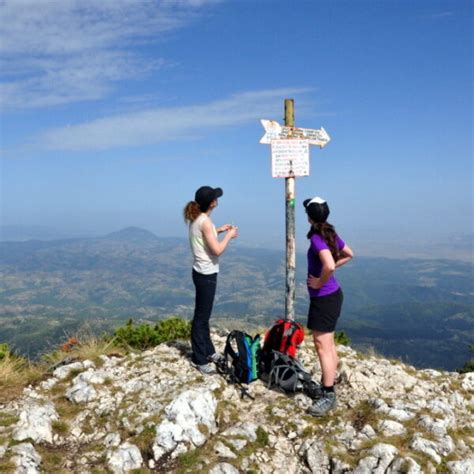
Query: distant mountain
132	234
418	310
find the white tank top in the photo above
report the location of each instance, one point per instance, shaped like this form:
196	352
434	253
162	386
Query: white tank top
205	262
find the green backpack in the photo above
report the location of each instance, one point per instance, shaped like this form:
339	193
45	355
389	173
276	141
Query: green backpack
242	356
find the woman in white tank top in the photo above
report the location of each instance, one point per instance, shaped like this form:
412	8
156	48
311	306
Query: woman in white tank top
206	248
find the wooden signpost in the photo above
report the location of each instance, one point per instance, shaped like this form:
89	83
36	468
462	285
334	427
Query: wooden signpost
290	159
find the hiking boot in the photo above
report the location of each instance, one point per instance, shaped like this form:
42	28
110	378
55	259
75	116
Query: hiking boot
217	358
205	369
313	389
323	405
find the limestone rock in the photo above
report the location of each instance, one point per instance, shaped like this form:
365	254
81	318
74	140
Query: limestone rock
247	430
468	382
437	427
465	466
224	468
36	422
81	392
223	451
378	460
26	459
124	459
405	465
391	428
64	371
49	383
184	417
238	444
339	467
157	397
112	440
425	446
91	376
315	456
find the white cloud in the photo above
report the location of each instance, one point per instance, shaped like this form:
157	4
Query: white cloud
61	51
157	125
445	14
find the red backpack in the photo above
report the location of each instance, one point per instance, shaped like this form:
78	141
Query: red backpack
284	336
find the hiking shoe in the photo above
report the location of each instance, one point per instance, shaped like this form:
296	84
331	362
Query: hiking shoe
217	358
313	389
205	369
323	405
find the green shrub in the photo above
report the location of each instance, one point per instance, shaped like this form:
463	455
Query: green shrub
468	365
342	338
144	336
4	351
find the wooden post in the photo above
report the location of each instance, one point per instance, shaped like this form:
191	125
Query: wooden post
290	226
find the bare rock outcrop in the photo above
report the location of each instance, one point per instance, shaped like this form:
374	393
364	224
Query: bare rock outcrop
152	411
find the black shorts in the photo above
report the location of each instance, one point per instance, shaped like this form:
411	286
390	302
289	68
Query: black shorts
324	312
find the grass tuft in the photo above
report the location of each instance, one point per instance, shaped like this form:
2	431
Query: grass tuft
363	414
15	374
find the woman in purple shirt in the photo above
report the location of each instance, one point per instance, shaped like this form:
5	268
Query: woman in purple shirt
326	253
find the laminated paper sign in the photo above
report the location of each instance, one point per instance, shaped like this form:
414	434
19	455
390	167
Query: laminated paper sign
290	158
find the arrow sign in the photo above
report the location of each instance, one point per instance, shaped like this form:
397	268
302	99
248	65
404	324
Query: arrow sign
274	131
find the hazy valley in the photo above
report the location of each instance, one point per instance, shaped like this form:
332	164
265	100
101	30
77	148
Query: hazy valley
418	310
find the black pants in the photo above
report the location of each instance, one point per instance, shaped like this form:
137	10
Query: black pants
200	333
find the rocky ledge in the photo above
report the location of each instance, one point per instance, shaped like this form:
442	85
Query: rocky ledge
153	412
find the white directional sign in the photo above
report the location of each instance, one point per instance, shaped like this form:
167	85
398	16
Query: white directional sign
275	131
290	158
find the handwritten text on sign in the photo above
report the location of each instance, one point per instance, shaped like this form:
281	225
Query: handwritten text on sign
290	158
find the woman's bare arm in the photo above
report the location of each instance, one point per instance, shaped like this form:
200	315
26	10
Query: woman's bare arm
347	256
215	246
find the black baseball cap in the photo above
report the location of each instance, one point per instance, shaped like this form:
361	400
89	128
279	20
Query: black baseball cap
205	195
317	209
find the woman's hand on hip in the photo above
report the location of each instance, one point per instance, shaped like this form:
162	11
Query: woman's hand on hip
314	282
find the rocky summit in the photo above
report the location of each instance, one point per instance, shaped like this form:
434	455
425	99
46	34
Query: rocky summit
153	412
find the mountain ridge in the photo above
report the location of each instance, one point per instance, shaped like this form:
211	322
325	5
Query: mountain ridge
53	288
153	411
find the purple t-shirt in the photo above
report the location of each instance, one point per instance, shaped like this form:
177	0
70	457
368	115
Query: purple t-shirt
315	266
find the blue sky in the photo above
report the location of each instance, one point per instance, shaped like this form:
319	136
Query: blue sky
114	112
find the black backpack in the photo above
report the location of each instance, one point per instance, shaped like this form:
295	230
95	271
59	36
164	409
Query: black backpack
242	357
288	374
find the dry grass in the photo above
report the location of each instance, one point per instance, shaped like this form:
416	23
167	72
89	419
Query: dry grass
53	459
15	374
6	420
6	465
66	409
363	414
93	347
88	347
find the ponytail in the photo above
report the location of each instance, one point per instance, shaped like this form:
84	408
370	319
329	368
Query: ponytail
328	233
191	211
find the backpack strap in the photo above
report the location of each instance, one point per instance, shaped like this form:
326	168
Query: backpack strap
229	350
288	373
289	330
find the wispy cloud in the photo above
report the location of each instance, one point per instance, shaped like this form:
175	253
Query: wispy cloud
436	16
58	52
158	125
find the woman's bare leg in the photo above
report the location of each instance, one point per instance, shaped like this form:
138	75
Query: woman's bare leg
326	349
